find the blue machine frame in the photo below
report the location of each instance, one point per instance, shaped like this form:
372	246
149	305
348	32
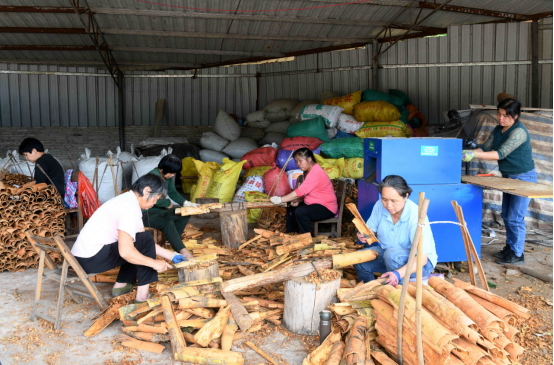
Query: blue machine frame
431	165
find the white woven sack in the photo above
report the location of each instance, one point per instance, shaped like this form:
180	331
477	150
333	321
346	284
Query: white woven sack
292	175
212	141
329	113
280	110
256	116
105	179
126	160
226	126
146	164
332	132
209	155
298	109
348	124
252	183
236	149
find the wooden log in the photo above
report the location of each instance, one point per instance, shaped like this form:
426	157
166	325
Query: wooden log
240	314
352	258
214	328
304	301
294	244
201	302
208	270
178	343
234	228
211	215
209	356
275	276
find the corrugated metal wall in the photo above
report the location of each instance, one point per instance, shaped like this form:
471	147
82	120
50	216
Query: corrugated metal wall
53	100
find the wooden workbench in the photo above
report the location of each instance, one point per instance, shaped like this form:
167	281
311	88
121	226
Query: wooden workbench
228	207
510	186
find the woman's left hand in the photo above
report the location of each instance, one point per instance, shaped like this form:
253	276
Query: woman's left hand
294	204
393	278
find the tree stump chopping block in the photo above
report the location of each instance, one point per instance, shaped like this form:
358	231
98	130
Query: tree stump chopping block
204	270
303	302
207	201
234	228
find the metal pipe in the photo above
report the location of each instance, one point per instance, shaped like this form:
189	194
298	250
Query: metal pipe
121	105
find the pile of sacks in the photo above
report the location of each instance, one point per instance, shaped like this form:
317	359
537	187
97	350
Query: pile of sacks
226	141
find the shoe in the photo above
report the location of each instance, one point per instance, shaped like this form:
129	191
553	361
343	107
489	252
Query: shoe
139	302
121	291
500	254
511	258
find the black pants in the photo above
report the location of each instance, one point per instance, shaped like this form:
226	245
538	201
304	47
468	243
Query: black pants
169	223
108	258
301	217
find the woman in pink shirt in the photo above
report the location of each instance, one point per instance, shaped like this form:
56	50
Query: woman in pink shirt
314	200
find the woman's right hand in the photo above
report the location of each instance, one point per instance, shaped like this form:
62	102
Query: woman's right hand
362	238
160	266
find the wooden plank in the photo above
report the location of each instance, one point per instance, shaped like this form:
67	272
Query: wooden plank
248	205
159	116
510	186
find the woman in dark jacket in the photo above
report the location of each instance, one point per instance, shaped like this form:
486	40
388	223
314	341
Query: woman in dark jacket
510	145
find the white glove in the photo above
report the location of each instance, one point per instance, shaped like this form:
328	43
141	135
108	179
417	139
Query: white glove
275	200
190	204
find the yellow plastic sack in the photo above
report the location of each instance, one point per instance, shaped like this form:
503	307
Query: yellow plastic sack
376	111
206	172
260	170
346	102
192	189
254	214
224	183
333	168
353	168
394	129
189	169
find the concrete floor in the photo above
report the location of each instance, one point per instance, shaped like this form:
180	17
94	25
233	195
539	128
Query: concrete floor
26	342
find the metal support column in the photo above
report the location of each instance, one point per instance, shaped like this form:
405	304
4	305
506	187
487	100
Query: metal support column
375	65
535	83
121	104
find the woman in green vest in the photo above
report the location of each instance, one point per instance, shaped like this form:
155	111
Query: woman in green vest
162	215
510	145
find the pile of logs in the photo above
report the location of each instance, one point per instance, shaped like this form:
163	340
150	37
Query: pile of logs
461	324
34	207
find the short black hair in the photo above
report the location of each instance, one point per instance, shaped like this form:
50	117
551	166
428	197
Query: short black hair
170	164
156	184
304	153
511	106
29	144
396	182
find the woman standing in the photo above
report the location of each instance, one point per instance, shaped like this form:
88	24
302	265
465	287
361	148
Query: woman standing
510	145
314	200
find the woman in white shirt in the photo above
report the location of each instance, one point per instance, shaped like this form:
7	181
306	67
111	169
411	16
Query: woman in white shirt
114	237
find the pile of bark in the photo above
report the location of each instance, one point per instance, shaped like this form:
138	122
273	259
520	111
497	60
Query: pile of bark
461	324
33	207
273	219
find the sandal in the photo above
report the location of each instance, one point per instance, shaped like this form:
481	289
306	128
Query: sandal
121	291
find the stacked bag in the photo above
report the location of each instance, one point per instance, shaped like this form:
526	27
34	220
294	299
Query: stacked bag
272	122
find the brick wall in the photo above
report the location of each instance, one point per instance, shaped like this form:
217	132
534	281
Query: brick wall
68	143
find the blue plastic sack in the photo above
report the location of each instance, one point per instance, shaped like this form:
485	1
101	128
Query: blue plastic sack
283	155
344	135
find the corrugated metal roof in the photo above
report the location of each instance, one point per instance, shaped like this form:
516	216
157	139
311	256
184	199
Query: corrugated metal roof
160	29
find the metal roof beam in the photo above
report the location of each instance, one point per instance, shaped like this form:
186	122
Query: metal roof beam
411	36
93	30
164	33
29	47
475	11
125	65
39	9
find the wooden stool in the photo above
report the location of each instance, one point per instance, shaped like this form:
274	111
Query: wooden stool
62	275
303	302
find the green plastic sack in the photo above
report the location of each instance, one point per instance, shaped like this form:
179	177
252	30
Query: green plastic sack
401	95
373	95
309	128
343	147
404	114
414	122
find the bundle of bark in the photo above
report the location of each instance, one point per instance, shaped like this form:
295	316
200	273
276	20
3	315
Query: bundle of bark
15	180
34	207
461	323
273	219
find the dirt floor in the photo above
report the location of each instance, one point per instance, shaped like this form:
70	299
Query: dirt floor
26	342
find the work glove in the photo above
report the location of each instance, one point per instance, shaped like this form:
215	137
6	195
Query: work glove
177	257
190	204
275	200
468	155
393	278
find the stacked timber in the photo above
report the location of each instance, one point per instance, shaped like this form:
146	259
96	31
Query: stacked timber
34	207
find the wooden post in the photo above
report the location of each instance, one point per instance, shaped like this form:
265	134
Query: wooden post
159	116
304	301
234	228
375	65
207	201
535	81
209	270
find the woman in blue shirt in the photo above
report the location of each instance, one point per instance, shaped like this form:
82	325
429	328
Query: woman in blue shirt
394	220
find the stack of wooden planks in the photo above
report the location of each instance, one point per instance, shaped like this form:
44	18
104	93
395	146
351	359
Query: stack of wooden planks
34	207
462	324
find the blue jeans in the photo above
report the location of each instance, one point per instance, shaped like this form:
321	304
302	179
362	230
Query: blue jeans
514	209
389	260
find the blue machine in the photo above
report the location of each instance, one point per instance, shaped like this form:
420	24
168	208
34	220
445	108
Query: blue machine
433	166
